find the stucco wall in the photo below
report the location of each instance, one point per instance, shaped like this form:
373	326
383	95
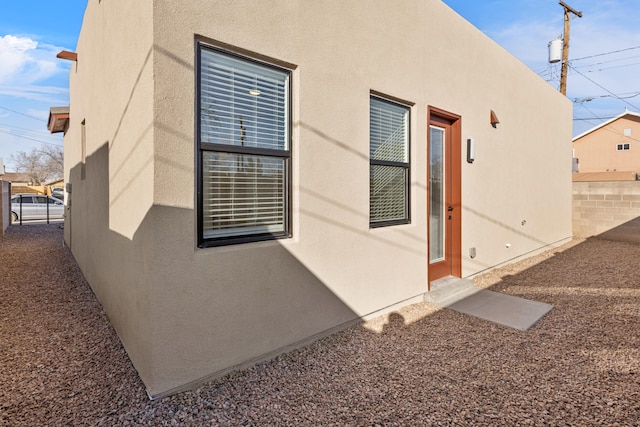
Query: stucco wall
596	151
611	209
111	192
184	313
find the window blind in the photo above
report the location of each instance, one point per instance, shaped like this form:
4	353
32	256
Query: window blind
243	194
243	104
389	157
388	129
388	194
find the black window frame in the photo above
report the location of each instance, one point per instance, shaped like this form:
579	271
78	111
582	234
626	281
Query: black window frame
405	165
202	147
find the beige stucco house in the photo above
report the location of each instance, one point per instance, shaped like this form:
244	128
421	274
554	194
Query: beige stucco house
244	177
609	151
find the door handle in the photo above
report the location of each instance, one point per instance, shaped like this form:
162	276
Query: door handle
450	209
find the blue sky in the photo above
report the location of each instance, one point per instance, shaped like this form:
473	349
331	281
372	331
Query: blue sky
32	79
32	32
610	79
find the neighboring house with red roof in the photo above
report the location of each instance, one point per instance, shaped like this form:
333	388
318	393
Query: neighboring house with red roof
609	151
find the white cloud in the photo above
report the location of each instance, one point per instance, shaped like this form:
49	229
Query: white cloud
25	61
48	94
14	55
527	40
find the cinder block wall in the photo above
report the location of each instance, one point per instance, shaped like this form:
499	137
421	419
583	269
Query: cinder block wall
600	207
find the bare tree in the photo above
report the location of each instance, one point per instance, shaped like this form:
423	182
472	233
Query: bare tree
54	158
41	164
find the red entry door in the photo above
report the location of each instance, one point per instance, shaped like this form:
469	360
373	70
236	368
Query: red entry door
444	154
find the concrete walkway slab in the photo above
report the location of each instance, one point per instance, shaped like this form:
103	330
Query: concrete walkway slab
507	310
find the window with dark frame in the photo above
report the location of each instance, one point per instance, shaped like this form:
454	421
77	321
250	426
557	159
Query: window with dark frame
244	151
389	169
623	147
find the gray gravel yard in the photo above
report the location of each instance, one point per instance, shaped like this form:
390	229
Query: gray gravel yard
61	363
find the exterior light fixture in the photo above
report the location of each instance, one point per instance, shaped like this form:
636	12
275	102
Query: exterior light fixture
471	150
254	92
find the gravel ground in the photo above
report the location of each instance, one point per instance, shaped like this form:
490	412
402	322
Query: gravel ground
61	363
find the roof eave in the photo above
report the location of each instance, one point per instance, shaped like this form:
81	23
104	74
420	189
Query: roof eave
58	119
601	125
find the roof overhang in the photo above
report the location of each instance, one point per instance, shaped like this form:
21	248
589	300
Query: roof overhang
69	56
58	119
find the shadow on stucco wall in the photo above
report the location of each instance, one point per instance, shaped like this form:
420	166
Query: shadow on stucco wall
182	349
183	313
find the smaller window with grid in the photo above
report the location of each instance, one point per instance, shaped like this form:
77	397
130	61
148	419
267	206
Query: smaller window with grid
623	147
389	170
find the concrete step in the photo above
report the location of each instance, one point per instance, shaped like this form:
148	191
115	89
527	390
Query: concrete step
449	290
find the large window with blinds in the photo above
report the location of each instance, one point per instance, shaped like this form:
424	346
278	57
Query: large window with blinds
389	162
243	149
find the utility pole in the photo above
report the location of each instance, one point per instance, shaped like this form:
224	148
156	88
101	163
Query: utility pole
568	10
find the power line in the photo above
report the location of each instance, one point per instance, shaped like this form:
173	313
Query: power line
579	119
611	129
606	53
616	66
27	137
627	93
619	96
543	71
605	89
22	114
606	62
17	127
590	121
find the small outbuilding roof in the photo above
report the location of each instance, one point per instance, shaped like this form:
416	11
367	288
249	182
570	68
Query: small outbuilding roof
16	177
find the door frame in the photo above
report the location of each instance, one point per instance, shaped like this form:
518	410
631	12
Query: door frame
453	250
